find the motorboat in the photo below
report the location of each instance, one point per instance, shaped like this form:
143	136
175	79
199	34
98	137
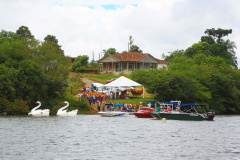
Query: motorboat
144	112
184	112
113	113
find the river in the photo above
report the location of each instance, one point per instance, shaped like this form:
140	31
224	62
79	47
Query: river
90	137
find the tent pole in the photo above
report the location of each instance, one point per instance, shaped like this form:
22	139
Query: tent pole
143	91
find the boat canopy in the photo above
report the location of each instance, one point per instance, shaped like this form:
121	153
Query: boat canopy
190	105
111	104
121	105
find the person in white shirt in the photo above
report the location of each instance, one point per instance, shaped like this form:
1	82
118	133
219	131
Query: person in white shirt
119	94
149	105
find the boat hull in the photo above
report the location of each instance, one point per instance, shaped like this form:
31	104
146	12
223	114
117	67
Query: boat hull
113	114
144	113
179	116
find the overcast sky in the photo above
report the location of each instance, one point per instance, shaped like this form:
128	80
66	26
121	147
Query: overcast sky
157	26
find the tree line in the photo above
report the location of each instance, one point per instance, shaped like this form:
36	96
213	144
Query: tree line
31	70
205	73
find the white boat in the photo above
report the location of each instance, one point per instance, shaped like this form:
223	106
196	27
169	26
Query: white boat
39	112
62	112
113	113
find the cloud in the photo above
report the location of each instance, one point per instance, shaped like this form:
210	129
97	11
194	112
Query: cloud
86	26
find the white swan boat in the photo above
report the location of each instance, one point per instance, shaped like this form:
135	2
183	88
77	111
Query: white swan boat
39	112
113	113
62	112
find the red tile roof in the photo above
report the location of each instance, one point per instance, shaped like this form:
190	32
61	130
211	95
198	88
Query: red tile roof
162	61
128	56
133	56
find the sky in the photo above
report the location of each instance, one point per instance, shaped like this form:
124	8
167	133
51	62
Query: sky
86	27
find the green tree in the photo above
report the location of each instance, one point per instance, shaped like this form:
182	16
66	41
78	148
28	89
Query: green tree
199	79
80	63
54	41
110	51
218	34
208	39
92	65
135	48
172	55
24	32
56	68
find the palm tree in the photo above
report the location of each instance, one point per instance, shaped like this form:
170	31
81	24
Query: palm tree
229	48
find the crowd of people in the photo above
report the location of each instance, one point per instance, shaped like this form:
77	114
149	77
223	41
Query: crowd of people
105	102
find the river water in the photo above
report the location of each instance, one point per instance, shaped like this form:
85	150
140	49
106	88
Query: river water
95	137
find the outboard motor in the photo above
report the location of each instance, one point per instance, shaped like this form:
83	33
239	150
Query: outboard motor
211	114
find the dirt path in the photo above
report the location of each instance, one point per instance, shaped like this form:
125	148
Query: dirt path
87	83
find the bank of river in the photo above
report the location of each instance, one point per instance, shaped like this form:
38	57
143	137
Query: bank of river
95	137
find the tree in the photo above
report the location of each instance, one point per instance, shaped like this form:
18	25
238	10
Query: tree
92	65
218	34
51	39
201	79
130	43
172	55
208	39
56	70
80	63
135	48
132	47
54	41
24	32
110	51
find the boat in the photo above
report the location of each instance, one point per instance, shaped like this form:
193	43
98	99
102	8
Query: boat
184	112
144	112
113	113
63	112
39	112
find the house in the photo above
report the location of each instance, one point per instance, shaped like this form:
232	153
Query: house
127	62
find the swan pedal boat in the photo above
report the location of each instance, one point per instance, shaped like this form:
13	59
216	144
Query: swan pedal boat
113	113
62	112
39	112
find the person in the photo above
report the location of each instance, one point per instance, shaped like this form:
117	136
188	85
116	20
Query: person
125	107
90	100
103	105
156	105
80	96
169	109
111	95
98	105
149	105
140	106
135	107
94	98
101	97
119	94
130	107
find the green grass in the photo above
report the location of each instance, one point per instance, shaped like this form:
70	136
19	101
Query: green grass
102	78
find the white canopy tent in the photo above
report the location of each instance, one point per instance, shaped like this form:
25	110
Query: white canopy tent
123	82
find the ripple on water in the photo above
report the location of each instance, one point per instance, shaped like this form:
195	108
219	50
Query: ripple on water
95	137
